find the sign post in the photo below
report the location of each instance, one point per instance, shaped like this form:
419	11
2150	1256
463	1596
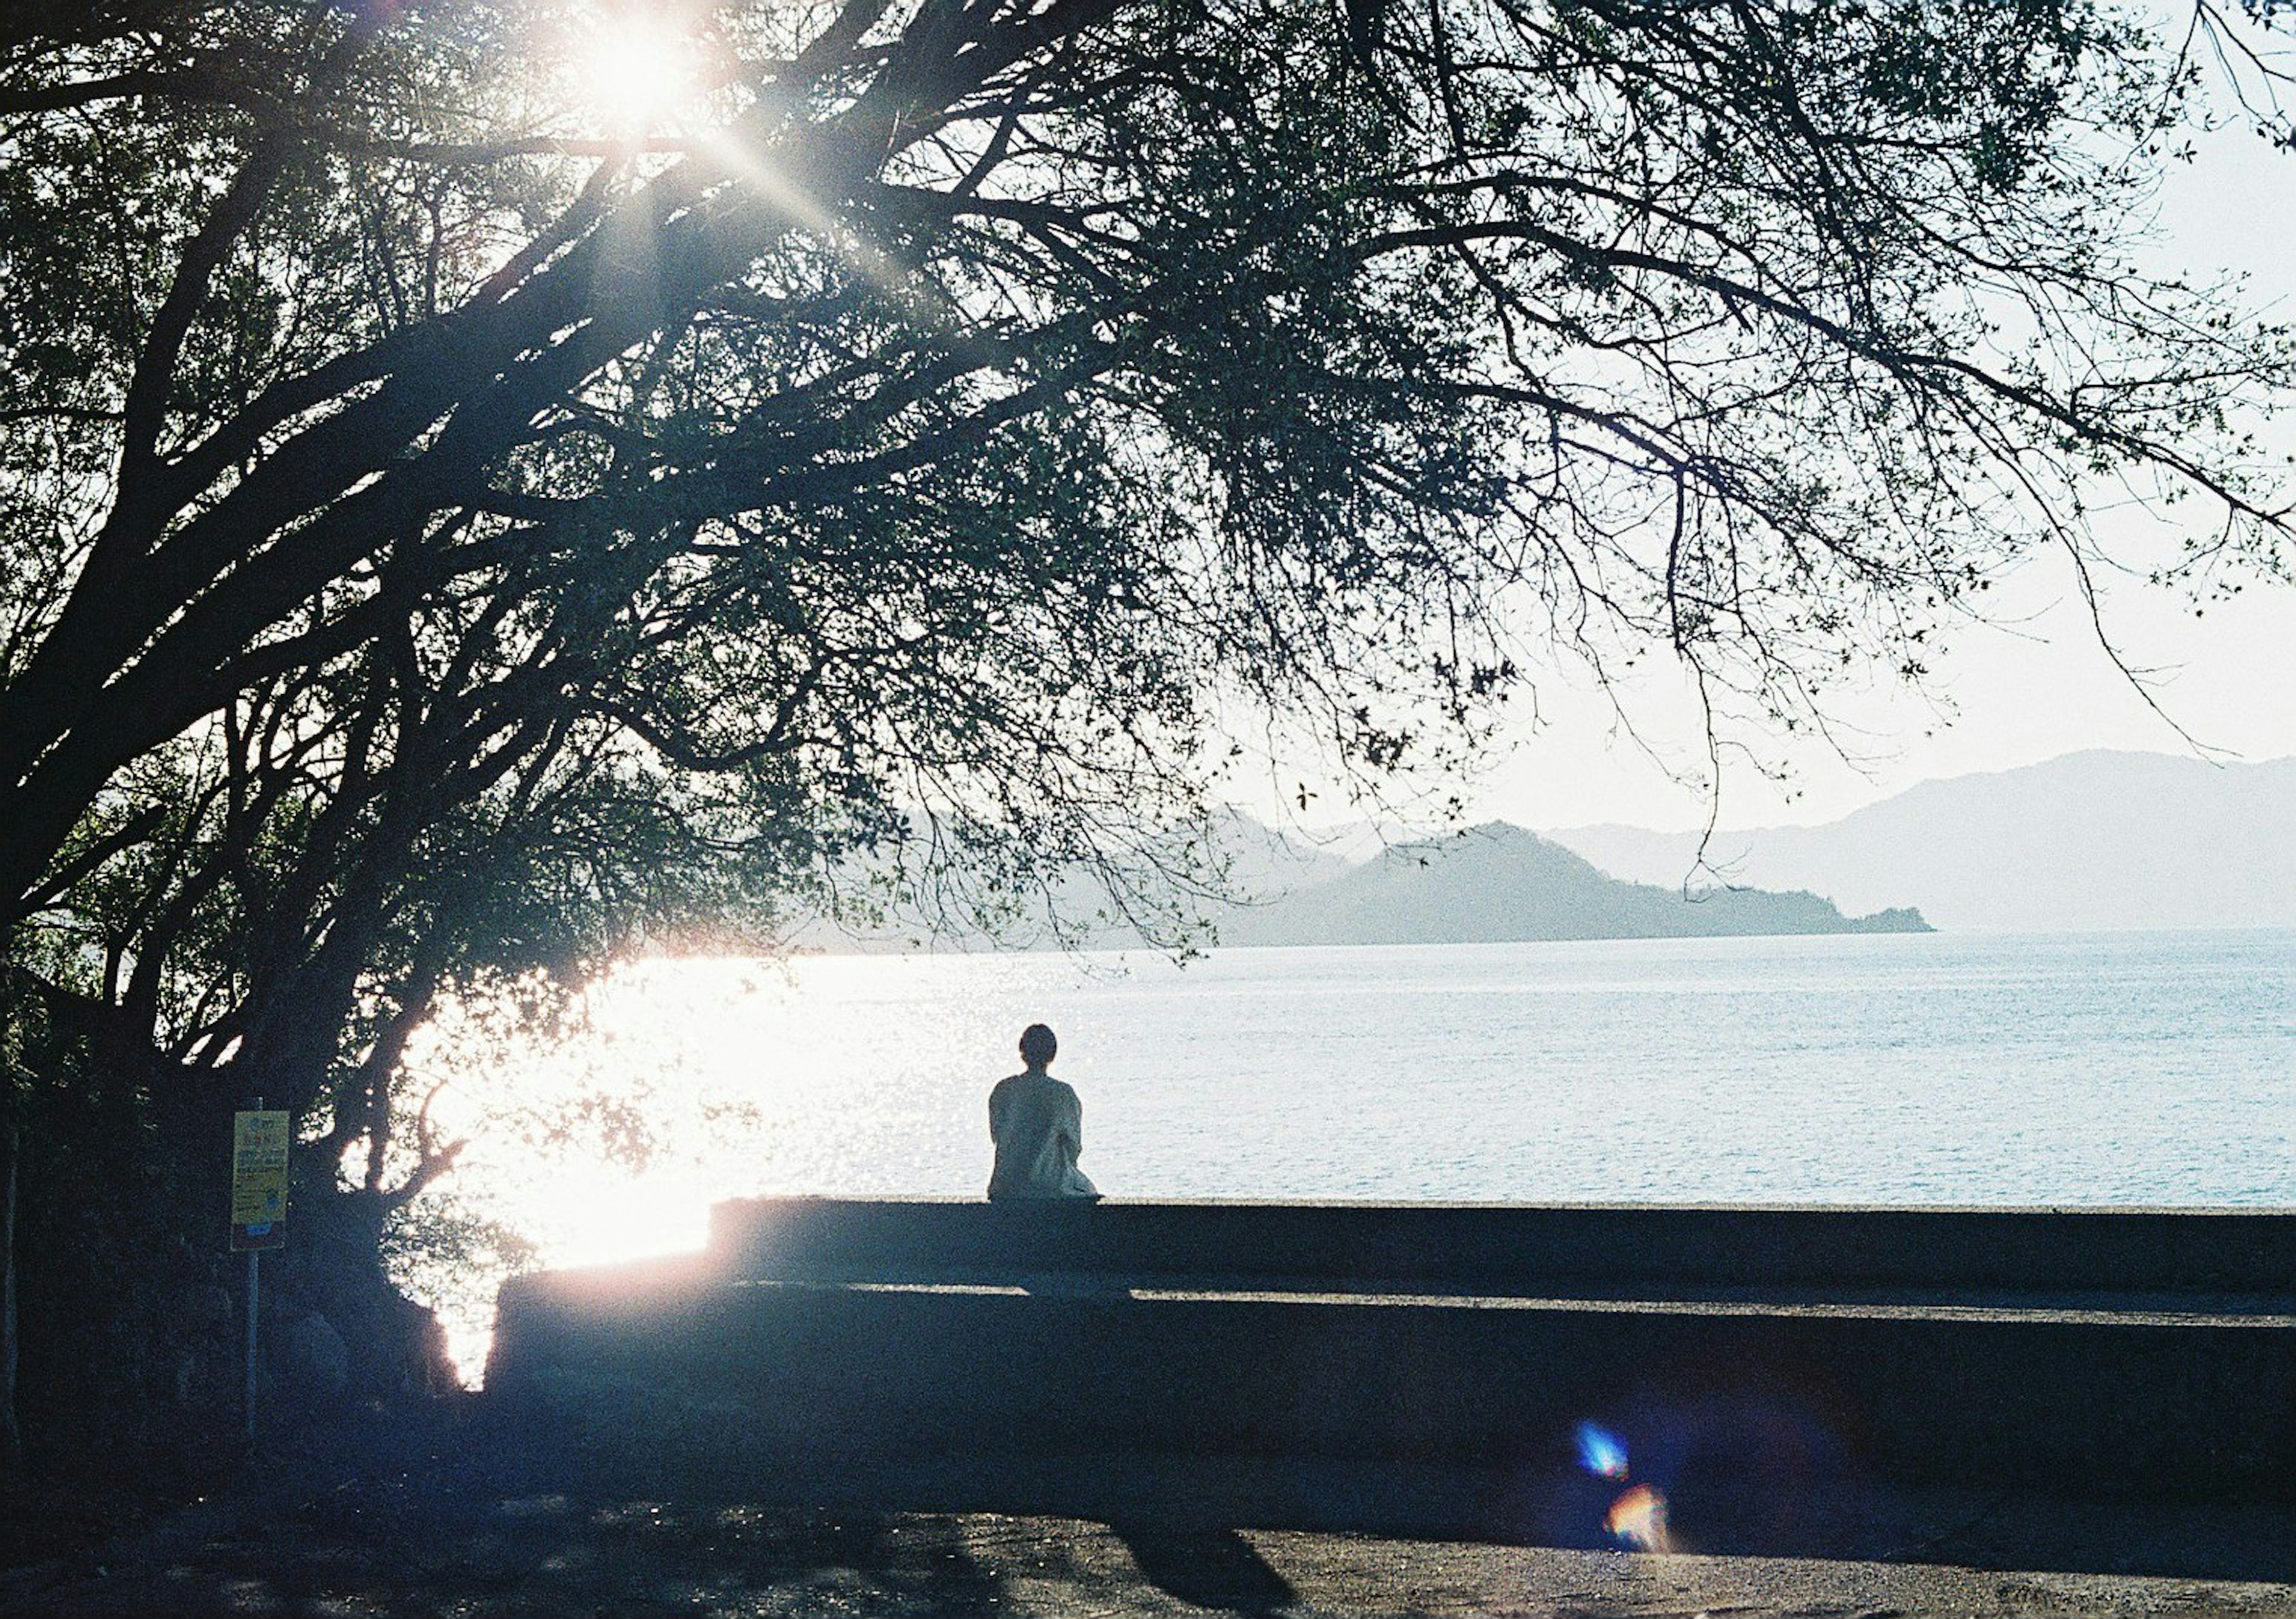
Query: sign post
259	1208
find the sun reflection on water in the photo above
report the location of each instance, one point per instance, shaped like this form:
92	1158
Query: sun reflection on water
672	1084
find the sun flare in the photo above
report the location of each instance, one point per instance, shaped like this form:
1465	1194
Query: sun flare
640	70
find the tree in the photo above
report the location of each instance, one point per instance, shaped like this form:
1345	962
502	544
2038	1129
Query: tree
448	530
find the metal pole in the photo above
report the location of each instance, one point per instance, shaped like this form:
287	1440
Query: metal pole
254	1286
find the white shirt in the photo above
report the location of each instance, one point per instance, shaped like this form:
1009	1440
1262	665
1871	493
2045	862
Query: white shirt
1038	1124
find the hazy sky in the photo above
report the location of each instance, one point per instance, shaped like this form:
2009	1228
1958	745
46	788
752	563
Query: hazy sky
2034	685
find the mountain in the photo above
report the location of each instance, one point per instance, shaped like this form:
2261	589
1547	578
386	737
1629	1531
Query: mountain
1265	863
2095	840
1499	882
1262	865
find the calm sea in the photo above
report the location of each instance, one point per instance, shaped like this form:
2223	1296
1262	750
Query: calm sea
1920	1068
2135	1069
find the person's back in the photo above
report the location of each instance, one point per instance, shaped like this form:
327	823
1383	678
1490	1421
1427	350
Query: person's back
1038	1125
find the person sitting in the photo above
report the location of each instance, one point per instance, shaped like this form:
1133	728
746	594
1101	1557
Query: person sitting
1038	1125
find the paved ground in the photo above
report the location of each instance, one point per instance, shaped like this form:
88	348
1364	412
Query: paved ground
477	1518
553	1555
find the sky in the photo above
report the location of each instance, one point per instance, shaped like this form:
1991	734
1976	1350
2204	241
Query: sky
2031	685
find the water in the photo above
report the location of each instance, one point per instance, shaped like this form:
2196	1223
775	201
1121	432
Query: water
2000	1069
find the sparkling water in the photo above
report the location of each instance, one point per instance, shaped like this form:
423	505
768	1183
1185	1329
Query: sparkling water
1997	1069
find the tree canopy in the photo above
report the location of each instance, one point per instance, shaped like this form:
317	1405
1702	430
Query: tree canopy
460	514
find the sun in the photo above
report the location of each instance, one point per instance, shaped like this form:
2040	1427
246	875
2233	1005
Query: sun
640	69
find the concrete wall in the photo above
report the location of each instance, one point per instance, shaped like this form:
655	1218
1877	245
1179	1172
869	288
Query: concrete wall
1516	1249
2174	1395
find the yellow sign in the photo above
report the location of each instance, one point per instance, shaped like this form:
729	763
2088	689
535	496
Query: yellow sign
259	1180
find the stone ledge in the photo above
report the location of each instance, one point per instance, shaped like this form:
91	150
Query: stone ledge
1467	1248
2148	1400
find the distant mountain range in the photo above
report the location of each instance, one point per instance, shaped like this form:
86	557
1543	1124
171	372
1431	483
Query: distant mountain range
2097	841
1499	882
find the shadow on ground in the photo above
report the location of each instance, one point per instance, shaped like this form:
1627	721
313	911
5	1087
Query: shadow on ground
1208	1568
495	1513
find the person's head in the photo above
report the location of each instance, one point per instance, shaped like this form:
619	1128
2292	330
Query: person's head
1037	1045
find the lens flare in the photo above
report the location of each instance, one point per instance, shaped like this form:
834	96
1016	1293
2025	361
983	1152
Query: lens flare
1601	1451
1638	1518
640	71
